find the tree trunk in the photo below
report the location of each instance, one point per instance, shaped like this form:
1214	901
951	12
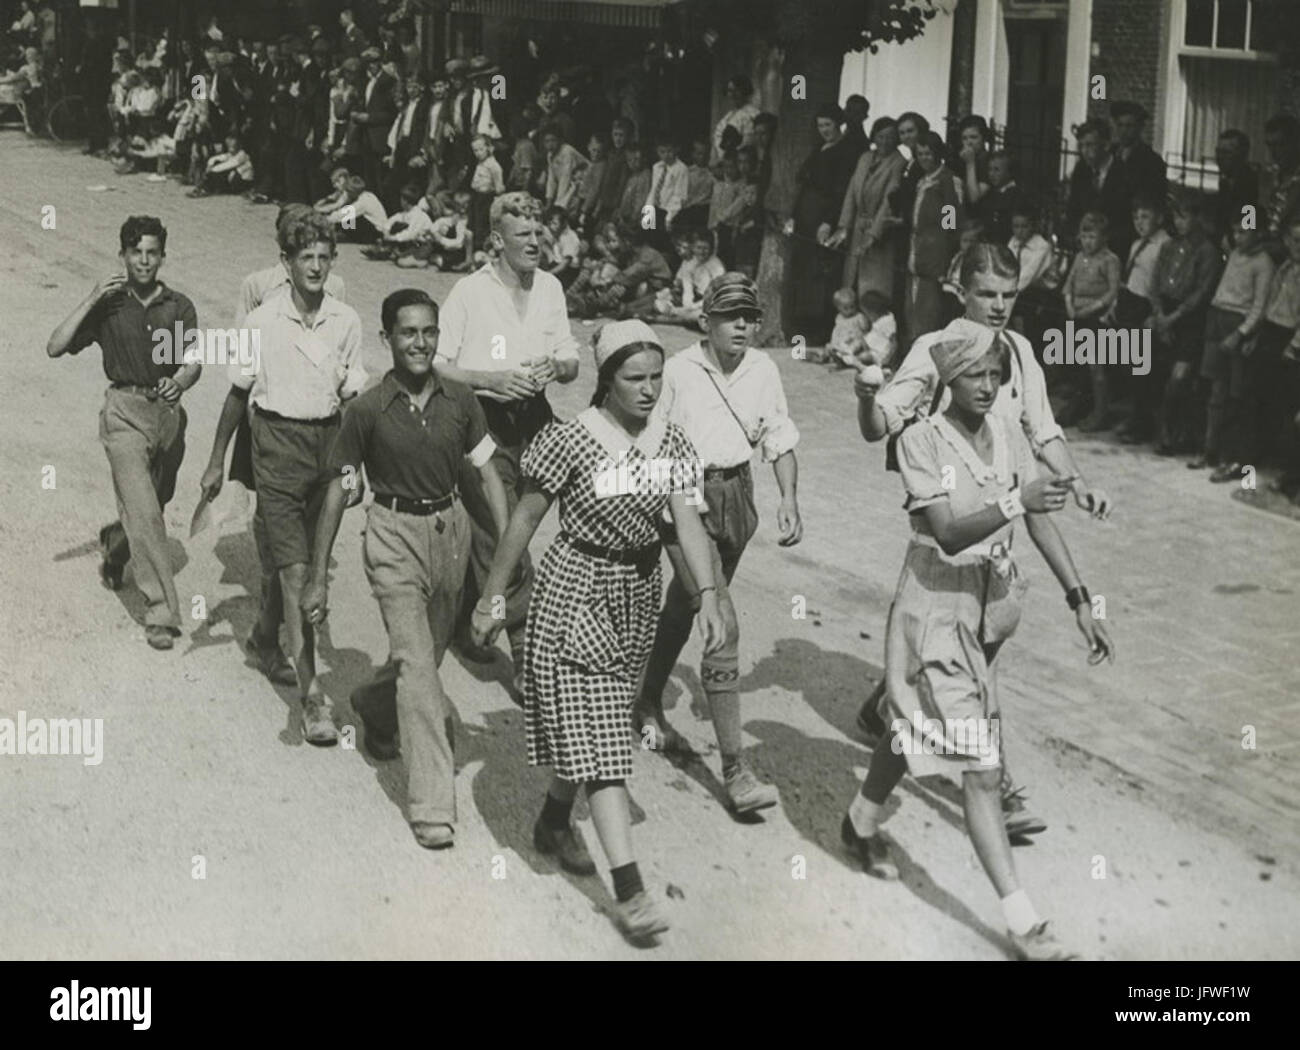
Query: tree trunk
819	61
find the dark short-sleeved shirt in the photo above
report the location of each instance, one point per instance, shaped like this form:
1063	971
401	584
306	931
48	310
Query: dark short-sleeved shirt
125	331
407	452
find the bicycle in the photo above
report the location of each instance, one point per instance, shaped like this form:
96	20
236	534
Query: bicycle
65	112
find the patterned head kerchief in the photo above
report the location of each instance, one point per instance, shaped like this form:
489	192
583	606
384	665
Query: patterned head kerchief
960	347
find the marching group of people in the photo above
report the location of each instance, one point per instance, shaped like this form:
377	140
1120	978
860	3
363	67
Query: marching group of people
462	456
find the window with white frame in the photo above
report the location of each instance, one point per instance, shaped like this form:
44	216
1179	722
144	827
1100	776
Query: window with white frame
1227	72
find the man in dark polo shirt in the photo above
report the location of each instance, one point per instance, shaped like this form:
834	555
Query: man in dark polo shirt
142	423
412	432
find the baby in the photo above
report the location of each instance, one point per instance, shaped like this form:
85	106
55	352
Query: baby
849	336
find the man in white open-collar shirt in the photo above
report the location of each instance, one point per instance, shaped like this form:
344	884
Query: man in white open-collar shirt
305	364
505	333
728	398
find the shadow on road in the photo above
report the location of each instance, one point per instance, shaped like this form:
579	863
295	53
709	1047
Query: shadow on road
815	775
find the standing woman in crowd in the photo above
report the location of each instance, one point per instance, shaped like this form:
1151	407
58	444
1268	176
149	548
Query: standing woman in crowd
869	264
971	164
591	621
935	237
969	474
911	126
821	181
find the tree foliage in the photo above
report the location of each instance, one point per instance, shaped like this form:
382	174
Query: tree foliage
853	24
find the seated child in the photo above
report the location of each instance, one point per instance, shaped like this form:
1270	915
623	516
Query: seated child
681	303
639	269
882	335
362	219
228	172
333	201
406	231
849	336
451	247
562	250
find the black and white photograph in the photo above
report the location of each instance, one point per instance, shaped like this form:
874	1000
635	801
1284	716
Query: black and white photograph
639	480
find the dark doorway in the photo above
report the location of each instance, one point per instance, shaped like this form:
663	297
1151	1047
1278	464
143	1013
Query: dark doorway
1036	97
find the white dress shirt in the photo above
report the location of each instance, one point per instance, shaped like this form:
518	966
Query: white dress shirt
274	280
479	317
1035	256
301	372
755	394
668	185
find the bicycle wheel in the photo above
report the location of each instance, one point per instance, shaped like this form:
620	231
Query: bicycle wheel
67	119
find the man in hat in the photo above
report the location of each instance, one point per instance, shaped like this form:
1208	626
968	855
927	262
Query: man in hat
505	332
728	398
474	112
375	117
406	138
438	137
456	152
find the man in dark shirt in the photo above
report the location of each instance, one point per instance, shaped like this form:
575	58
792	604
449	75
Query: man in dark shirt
1098	183
1238	182
142	327
411	433
1140	167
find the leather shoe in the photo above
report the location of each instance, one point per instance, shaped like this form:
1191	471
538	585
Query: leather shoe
158	636
873	852
318	722
566	845
382	742
433	836
1227	472
271	661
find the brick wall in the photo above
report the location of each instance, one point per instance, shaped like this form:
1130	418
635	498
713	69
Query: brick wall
1126	35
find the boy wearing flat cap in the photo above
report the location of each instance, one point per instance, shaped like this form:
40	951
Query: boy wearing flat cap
727	397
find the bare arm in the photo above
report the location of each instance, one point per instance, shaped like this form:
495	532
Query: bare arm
232	410
495	492
528	514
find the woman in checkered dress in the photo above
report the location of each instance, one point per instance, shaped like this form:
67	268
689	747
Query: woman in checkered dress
596	598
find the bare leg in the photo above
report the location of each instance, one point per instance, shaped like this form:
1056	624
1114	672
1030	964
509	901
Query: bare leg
302	639
982	804
613	819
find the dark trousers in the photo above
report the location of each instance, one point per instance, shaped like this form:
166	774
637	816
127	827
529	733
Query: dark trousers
297	174
269	165
1225	377
512	426
1270	393
1182	410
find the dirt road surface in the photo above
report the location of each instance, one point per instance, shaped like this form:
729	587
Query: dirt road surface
1168	839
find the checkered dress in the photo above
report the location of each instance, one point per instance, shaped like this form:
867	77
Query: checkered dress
591	622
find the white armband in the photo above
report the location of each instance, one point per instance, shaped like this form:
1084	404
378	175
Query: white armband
1011	506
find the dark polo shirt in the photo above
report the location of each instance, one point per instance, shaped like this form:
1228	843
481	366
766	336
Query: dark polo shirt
407	452
124	330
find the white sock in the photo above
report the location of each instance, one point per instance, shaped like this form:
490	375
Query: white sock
1019	913
864	815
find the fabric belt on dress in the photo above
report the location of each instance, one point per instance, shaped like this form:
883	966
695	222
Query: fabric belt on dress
989	551
641	556
266	413
725	473
422	507
135	388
